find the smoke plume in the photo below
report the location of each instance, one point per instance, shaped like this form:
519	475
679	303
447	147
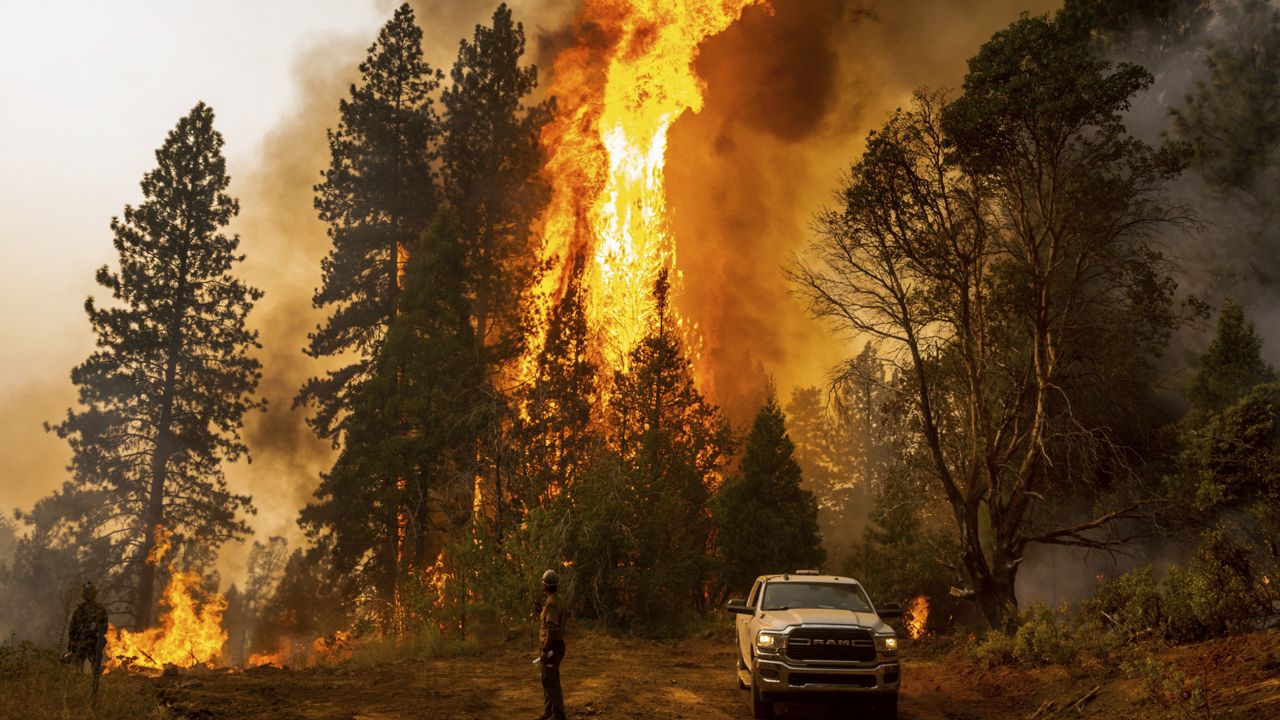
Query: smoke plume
791	92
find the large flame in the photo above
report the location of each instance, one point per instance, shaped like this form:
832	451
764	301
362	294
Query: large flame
190	631
618	92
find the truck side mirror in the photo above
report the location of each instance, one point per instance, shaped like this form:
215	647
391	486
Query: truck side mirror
888	611
739	607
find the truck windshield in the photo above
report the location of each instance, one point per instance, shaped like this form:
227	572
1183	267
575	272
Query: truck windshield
827	596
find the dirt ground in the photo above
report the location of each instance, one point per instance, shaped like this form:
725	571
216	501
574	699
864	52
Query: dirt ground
606	677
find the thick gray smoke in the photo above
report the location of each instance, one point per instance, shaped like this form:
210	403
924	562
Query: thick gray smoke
1232	252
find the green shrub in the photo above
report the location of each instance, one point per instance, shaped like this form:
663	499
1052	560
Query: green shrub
1178	593
1216	594
1131	600
1168	689
1044	637
995	650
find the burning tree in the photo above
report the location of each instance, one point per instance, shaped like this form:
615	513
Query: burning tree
379	196
671	444
491	162
404	475
163	397
560	426
433	314
995	248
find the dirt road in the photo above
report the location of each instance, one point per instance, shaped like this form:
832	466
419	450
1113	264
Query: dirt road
607	677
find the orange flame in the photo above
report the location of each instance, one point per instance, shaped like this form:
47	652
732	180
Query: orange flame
281	656
618	92
917	615
190	631
161	546
324	649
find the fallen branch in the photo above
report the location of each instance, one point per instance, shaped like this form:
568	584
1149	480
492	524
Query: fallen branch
1119	624
1049	708
1078	705
1045	708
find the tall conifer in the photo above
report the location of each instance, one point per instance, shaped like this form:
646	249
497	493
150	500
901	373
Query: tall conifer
378	196
766	522
163	397
672	444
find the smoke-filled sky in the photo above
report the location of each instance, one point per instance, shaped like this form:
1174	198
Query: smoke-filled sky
89	89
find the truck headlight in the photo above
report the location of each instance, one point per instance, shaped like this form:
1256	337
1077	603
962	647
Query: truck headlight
887	644
768	642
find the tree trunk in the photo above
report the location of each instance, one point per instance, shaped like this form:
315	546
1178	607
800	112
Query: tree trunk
155	503
391	577
154	521
992	581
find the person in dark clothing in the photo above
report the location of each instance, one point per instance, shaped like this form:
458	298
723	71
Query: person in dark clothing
551	637
87	637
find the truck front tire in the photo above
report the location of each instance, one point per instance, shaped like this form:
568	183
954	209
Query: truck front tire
761	709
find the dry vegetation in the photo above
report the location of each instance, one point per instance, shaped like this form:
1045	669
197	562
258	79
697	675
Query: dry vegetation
35	685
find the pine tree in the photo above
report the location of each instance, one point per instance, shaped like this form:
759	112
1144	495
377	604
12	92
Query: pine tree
557	433
409	454
765	520
491	159
1230	367
378	196
163	398
672	444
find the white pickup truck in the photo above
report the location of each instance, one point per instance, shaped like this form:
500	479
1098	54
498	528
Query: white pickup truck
809	637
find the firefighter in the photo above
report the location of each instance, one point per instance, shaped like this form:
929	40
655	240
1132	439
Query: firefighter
87	637
551	636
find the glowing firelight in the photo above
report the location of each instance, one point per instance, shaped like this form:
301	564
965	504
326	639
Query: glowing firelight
324	649
607	150
917	616
190	630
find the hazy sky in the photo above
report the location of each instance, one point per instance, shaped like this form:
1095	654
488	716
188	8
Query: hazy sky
88	90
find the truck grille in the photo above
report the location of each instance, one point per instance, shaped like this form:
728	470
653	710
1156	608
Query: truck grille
831	644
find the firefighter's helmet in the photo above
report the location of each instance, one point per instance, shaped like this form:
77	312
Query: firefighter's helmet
551	579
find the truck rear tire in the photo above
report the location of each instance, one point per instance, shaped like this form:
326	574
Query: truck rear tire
761	709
